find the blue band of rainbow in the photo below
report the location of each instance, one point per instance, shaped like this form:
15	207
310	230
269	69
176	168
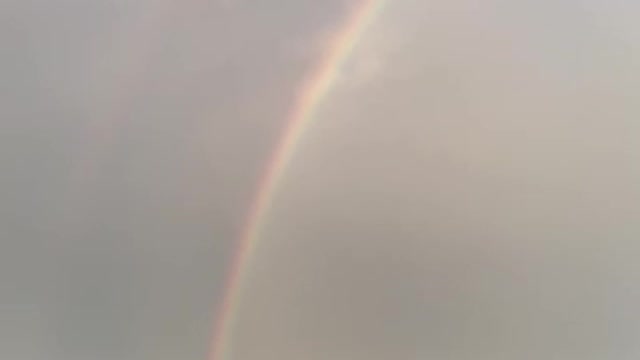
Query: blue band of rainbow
313	91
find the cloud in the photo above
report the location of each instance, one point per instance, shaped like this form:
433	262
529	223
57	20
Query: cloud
367	61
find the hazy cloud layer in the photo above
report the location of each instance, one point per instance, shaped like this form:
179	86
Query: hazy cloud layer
468	190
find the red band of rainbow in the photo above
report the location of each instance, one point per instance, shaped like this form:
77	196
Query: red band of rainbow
313	91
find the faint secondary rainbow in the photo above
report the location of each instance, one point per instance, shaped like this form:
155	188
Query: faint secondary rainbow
313	91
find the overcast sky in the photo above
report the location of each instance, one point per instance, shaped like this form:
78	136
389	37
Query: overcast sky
468	190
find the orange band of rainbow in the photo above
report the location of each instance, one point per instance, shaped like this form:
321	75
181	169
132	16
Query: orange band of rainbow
313	91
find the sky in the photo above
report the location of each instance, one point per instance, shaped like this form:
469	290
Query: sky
467	189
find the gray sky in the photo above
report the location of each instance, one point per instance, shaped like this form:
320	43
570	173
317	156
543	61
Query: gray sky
469	189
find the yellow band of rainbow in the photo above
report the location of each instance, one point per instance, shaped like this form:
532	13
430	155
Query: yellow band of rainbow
313	91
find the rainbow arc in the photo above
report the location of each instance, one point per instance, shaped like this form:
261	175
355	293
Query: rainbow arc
312	93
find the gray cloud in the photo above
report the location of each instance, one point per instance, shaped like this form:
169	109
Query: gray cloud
467	191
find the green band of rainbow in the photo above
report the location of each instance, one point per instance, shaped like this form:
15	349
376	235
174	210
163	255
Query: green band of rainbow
313	91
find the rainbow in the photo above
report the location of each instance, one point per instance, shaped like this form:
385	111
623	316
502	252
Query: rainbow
313	91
